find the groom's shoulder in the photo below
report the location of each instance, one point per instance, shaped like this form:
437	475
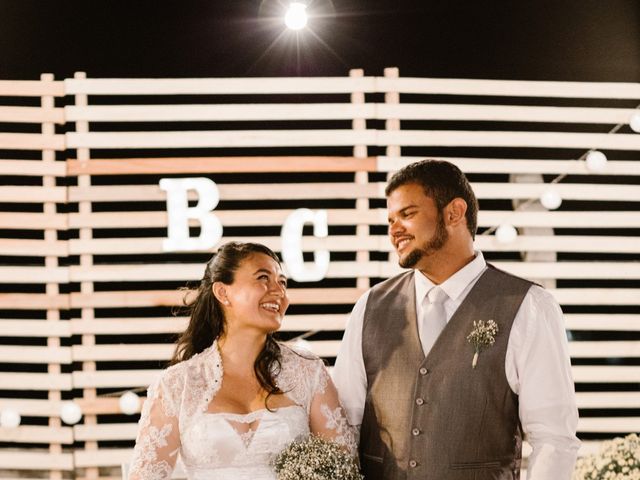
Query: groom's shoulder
393	282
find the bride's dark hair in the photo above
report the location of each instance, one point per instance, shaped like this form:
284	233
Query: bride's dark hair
207	321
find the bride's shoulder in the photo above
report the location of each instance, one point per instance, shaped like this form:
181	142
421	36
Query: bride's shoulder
298	355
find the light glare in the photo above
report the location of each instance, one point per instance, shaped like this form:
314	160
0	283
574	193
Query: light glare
296	16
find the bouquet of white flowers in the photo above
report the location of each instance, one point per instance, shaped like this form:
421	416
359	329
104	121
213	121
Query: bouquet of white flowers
316	459
618	459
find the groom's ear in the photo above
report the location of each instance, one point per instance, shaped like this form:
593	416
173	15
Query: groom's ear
454	213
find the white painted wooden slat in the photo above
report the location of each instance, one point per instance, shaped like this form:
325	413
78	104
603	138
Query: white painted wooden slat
37	434
129	326
608	399
605	349
30	354
112	457
33	275
232	112
609	424
462	138
594	321
31	115
11	194
125	352
606	374
36	460
217	86
510	88
504	113
114	378
31	88
26	247
34	328
32	168
109	431
596	296
517	165
35	381
31	141
268	191
601	219
221	139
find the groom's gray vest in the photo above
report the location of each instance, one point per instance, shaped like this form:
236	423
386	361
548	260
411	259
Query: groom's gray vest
437	418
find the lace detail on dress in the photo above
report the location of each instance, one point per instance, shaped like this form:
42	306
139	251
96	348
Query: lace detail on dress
337	421
299	374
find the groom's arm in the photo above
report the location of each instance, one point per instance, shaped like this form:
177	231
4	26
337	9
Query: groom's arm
349	374
539	371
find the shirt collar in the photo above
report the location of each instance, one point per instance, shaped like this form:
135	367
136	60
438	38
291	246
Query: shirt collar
456	283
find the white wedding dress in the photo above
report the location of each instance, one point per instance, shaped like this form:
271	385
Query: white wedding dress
227	446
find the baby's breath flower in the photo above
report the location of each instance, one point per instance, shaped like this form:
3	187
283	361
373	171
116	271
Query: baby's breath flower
316	459
618	459
482	336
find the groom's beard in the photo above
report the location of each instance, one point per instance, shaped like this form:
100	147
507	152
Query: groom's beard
436	242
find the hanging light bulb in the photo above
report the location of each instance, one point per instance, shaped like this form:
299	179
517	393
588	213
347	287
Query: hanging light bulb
506	233
129	403
634	123
9	418
70	413
596	161
550	199
296	16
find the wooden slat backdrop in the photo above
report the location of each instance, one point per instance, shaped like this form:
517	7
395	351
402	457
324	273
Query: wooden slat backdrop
269	154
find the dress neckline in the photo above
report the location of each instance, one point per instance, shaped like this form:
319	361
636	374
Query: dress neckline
251	416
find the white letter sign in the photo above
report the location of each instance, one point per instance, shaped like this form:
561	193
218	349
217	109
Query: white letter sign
292	245
179	213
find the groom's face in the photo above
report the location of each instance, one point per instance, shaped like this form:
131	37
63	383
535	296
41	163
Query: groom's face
416	226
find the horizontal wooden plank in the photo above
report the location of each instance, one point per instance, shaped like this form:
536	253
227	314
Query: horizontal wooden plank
609	424
32	168
34	274
608	399
27	407
226	112
31	141
40	248
102	432
33	221
603	219
258	164
596	296
174	297
122	352
35	328
107	457
217	86
503	113
114	378
222	139
31	115
37	434
30	354
337	269
373	243
509	88
317	191
35	460
33	301
517	165
31	88
11	194
35	381
607	321
461	138
605	349
606	374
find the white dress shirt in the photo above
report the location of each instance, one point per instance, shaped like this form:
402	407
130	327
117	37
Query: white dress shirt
537	367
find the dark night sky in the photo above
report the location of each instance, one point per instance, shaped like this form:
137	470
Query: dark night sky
584	40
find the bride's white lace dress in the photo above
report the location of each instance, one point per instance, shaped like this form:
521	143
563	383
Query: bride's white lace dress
228	446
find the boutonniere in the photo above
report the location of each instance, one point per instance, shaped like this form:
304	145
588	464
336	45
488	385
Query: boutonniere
482	336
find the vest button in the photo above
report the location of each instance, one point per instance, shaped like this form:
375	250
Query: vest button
415	432
419	401
413	463
423	371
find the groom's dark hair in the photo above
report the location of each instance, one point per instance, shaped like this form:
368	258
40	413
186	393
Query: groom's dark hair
442	181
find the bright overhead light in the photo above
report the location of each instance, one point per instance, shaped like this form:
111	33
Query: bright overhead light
596	161
296	16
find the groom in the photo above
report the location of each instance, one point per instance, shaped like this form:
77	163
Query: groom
432	404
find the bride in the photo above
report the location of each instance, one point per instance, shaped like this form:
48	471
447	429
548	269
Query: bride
234	397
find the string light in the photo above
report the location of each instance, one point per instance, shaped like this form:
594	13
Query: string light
506	233
9	418
550	199
129	403
634	123
70	413
596	161
296	16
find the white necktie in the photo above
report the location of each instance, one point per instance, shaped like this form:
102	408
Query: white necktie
434	317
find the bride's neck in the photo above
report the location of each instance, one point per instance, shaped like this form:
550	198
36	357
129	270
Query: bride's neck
240	350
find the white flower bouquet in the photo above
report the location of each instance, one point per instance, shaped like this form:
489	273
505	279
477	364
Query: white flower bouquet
316	459
618	459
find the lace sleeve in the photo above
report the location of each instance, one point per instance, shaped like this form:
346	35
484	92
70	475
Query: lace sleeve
327	418
158	439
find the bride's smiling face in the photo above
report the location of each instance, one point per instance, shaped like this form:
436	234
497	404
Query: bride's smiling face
257	299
